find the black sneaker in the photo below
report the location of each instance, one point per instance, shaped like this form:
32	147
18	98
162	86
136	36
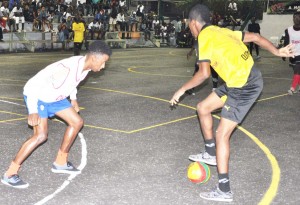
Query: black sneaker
67	168
14	181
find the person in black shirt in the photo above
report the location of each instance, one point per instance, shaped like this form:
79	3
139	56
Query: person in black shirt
255	28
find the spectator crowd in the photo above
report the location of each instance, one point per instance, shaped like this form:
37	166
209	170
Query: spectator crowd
98	16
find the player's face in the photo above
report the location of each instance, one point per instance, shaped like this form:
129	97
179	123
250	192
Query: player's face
98	62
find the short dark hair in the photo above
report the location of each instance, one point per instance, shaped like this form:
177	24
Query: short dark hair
296	19
99	47
200	13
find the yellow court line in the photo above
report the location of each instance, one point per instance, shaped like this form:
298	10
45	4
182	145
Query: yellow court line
270	98
272	190
131	69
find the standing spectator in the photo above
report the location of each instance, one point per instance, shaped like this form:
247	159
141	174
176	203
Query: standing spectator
226	52
113	18
255	28
140	10
292	35
17	15
1	33
46	95
233	9
78	28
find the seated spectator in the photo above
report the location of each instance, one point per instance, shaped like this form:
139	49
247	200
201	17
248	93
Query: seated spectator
28	13
133	21
9	21
123	24
93	28
144	28
37	24
17	15
69	23
156	26
43	19
63	35
100	16
3	20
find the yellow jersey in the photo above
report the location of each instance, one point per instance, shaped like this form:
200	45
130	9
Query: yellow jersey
227	54
78	29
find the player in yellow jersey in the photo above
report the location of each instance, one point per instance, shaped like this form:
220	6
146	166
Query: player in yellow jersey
78	28
226	52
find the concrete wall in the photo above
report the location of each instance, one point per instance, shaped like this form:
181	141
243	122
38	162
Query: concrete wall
274	25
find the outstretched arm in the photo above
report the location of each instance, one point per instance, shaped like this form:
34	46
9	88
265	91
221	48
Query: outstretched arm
287	51
197	79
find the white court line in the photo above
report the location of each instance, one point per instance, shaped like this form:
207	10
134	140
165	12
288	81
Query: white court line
9	102
72	176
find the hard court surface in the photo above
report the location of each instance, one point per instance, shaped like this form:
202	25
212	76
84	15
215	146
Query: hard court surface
134	149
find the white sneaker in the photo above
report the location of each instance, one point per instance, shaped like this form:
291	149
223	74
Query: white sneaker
204	157
217	195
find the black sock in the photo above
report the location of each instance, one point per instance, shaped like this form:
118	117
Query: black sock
224	185
210	147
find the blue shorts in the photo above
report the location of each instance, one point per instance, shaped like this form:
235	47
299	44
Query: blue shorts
46	110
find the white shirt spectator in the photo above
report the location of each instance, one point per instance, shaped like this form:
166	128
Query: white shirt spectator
15	10
5	11
120	17
93	25
232	6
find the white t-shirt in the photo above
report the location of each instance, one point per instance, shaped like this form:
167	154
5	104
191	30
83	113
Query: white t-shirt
294	39
55	82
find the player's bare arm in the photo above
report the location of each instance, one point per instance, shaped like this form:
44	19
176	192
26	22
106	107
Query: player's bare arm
287	51
197	79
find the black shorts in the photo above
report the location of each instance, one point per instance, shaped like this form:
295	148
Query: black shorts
238	101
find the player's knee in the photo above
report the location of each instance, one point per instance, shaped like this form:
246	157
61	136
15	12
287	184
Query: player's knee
41	137
202	109
78	123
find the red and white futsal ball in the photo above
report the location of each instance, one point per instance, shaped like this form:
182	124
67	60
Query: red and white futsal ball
198	172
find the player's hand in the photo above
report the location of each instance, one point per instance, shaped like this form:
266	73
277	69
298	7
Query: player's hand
175	99
75	105
34	119
287	51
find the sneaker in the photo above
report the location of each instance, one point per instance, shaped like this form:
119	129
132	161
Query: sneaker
217	195
204	157
258	57
14	181
67	168
291	92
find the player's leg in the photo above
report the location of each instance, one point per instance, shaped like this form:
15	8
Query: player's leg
40	134
204	109
75	123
